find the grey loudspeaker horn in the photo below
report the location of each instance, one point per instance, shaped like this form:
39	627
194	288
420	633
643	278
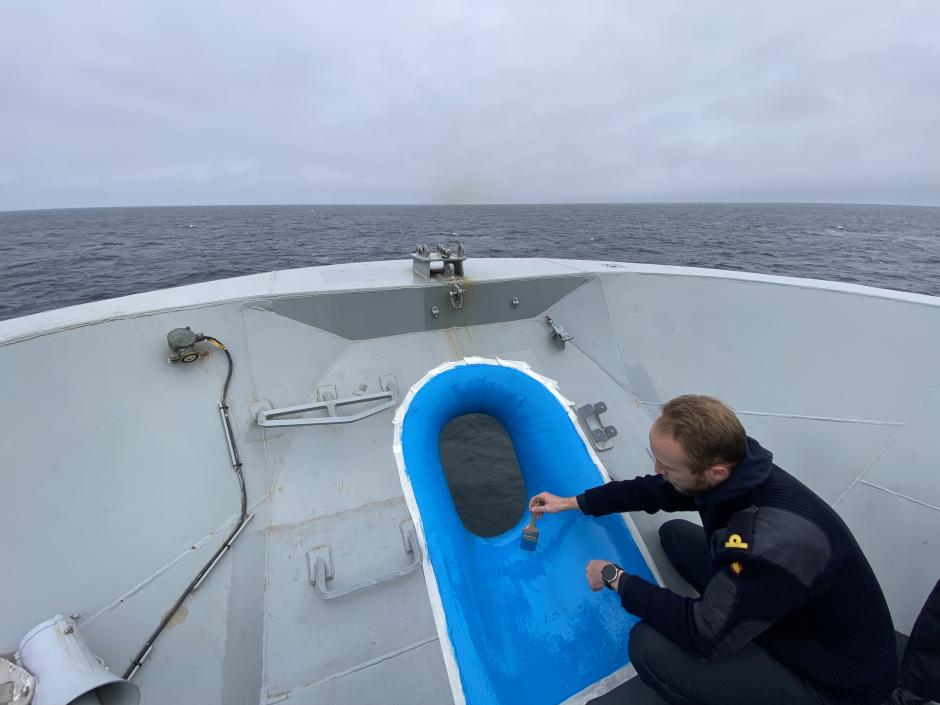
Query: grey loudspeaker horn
66	671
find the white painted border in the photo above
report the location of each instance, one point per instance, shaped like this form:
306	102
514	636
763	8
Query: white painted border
605	684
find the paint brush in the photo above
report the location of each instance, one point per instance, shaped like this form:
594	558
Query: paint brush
530	534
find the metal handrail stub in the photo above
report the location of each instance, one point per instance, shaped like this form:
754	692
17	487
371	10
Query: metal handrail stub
272	417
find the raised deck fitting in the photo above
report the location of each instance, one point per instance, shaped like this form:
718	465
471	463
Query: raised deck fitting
320	566
66	670
182	344
16	683
601	436
559	334
327	401
456	296
273	417
441	264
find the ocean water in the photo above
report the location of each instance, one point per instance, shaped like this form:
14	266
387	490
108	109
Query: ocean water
50	259
482	473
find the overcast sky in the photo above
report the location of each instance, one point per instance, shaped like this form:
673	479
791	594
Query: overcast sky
210	102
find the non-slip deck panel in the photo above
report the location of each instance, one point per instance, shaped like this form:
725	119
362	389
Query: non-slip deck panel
524	626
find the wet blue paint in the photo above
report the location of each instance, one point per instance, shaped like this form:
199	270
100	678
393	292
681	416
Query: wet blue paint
524	625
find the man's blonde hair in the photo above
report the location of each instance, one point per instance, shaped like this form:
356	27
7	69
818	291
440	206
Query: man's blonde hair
707	430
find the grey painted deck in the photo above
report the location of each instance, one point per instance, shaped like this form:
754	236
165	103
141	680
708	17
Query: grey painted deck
117	485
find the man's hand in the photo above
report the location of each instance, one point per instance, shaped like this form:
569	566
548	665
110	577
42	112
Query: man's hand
593	572
547	503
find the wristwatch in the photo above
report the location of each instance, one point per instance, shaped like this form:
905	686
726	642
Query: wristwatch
609	573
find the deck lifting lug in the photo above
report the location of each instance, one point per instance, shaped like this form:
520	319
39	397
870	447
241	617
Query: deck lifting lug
559	334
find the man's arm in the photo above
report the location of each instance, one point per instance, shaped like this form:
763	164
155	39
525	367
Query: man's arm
650	494
771	560
739	603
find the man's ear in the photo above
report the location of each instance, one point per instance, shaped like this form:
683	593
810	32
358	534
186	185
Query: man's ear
719	472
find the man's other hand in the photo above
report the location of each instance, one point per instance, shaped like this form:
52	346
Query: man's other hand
547	503
593	572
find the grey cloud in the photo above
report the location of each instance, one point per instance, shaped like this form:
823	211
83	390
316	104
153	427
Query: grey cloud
175	103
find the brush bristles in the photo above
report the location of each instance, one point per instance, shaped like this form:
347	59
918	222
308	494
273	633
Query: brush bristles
529	539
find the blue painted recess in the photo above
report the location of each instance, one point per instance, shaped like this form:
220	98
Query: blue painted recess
525	627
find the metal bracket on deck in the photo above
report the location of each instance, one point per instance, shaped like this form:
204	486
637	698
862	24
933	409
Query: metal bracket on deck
17	685
456	293
559	334
327	401
320	566
444	263
601	436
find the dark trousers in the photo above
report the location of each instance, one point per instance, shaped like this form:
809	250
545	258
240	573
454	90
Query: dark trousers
749	676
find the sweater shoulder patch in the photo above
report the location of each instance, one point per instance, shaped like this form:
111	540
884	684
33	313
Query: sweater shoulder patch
792	542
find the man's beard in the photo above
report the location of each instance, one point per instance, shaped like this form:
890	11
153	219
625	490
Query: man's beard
701	487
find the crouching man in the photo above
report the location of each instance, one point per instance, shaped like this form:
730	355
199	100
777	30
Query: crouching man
789	611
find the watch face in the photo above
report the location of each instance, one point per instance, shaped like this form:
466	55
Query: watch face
608	572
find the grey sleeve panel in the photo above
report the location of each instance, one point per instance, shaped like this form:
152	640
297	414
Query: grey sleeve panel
713	612
791	542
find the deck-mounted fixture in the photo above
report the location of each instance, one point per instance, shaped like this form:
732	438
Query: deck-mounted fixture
444	263
65	669
16	684
456	296
327	401
559	334
320	566
182	344
445	266
602	437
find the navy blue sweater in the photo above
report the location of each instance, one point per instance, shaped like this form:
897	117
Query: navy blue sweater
786	573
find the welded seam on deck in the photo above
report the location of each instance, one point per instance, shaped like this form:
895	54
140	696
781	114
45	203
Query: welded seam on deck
806	417
146	581
900	495
284	695
613	334
887	445
248	362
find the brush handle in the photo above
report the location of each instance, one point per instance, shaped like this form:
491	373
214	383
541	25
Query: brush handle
536	515
533	517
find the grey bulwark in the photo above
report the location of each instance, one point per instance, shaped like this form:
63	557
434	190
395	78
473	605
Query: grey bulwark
361	315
